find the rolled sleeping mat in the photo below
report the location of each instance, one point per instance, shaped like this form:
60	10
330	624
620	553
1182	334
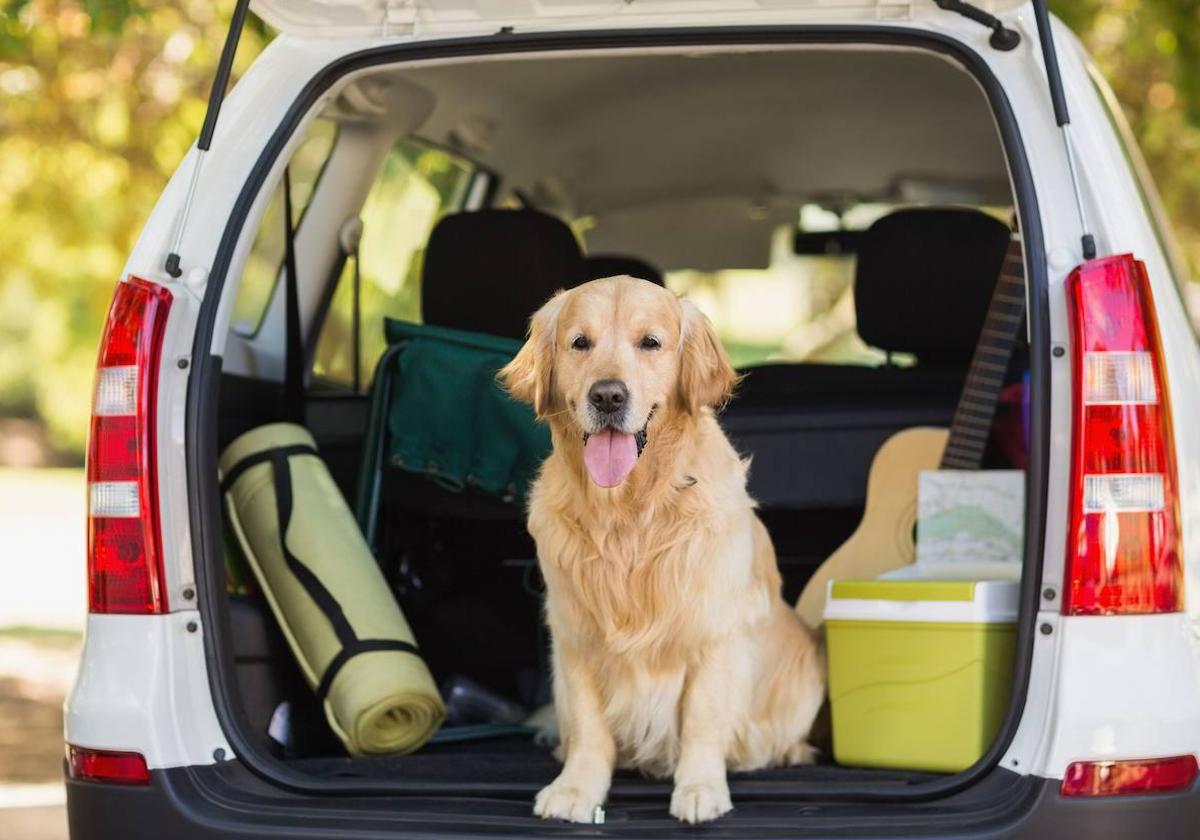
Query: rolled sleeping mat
345	629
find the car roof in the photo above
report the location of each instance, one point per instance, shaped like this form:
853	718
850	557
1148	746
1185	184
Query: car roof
374	18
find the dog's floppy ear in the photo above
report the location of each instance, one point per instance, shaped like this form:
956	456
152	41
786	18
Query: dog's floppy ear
706	377
529	377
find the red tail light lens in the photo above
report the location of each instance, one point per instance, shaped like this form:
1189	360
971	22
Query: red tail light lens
120	768
1116	778
125	573
1123	553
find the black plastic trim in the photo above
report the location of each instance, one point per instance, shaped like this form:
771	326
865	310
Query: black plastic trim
227	803
201	427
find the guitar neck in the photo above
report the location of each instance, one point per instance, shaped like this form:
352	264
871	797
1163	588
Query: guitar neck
972	424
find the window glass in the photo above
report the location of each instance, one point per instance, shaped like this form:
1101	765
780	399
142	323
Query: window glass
265	261
798	309
416	186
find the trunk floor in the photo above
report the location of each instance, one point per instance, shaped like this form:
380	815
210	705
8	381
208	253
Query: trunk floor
514	763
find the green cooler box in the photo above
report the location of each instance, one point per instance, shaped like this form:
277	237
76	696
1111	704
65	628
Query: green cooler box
919	670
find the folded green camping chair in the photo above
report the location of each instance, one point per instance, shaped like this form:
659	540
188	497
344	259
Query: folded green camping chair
437	410
331	600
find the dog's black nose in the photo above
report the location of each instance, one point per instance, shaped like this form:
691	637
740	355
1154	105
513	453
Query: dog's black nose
608	396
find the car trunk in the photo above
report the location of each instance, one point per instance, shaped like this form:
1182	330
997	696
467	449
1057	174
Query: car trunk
466	575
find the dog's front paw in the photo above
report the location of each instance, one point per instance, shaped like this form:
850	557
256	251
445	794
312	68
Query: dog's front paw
700	801
564	801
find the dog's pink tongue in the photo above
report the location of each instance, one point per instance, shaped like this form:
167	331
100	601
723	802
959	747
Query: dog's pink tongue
609	456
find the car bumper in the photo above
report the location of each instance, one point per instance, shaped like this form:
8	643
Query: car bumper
205	803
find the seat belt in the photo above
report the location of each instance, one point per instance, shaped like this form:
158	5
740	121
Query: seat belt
293	371
972	424
350	239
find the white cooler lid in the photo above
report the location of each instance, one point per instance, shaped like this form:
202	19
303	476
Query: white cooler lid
918	599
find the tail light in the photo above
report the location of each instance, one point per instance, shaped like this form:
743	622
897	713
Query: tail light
125	572
110	766
1116	778
1123	553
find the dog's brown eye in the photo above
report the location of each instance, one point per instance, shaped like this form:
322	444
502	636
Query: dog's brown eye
650	343
581	343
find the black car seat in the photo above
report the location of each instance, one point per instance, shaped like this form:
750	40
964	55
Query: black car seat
612	265
489	270
923	280
461	560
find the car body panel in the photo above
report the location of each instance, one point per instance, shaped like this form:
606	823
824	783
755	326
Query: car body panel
143	686
1083	702
1118	687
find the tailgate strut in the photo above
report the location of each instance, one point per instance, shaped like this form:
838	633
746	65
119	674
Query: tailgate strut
1062	117
215	97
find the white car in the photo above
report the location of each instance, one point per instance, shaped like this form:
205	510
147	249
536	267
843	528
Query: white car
438	156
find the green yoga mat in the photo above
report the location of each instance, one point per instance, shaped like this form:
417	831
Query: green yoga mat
347	633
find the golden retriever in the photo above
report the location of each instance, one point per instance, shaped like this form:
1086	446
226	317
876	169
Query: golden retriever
673	650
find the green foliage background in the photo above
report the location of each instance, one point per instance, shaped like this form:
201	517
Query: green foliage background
99	100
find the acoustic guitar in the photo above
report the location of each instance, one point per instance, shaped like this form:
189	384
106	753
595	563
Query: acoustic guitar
885	538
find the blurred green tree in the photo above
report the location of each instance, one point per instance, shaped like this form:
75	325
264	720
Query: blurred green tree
1149	51
100	99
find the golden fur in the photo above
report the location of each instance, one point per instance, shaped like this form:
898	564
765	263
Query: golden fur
673	650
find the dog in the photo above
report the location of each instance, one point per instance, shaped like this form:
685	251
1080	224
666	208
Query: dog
673	651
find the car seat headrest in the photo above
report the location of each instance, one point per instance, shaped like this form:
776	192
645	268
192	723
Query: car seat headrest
612	265
924	279
488	271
